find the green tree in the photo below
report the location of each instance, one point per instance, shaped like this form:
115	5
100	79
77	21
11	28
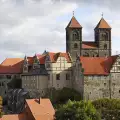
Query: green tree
77	110
109	108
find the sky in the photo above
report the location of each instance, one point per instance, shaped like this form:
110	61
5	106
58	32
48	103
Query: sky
32	26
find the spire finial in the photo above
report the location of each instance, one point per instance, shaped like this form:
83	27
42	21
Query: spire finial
102	14
73	13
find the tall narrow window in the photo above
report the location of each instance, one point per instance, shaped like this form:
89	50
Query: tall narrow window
67	76
105	46
75	45
57	76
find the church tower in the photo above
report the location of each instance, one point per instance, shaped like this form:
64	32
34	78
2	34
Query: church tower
74	38
103	38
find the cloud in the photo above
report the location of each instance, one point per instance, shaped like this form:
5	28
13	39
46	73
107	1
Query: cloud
31	26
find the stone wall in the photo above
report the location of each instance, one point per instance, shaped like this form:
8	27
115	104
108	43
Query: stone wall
96	87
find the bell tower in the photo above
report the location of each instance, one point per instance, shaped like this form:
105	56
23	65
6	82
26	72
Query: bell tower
103	38
74	38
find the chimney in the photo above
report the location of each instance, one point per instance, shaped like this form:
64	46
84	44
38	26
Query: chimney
39	100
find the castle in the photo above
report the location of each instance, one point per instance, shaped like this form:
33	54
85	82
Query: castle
87	67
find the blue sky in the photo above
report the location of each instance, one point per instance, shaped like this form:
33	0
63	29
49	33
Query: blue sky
31	26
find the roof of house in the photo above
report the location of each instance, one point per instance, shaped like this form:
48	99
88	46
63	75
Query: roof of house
54	56
74	23
11	65
103	24
97	65
89	45
41	111
14	117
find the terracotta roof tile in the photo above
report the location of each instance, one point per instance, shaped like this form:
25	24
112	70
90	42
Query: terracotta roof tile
11	65
97	65
73	23
86	45
14	117
42	110
41	58
30	60
102	24
54	56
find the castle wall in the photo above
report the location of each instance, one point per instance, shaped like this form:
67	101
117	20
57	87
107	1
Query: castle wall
96	87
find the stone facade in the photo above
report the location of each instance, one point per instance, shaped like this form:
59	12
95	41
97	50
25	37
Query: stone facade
100	47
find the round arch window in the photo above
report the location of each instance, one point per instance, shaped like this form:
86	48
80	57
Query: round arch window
75	45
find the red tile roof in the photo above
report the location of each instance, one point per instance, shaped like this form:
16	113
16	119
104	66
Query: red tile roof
97	65
103	24
30	60
88	45
42	111
41	59
14	117
73	23
11	66
54	56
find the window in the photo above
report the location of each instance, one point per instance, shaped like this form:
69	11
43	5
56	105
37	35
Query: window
119	91
75	35
104	84
67	76
75	45
118	68
8	76
48	76
105	46
57	76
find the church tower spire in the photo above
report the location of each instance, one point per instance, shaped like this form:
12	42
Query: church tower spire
74	37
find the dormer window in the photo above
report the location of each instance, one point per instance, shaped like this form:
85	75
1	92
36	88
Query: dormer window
36	63
25	68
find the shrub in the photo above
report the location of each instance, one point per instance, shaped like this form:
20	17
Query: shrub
77	110
109	108
63	95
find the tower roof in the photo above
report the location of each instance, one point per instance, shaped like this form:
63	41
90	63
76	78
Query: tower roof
73	23
102	24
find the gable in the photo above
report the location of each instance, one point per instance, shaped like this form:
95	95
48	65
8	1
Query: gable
116	65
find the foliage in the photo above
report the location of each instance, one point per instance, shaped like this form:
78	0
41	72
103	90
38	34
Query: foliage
14	83
63	95
109	108
1	114
77	110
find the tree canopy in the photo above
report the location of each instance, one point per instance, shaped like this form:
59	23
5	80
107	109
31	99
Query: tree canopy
77	110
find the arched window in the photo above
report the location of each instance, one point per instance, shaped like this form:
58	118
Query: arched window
75	36
105	46
75	45
105	36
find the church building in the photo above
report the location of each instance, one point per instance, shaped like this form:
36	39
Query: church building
86	66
